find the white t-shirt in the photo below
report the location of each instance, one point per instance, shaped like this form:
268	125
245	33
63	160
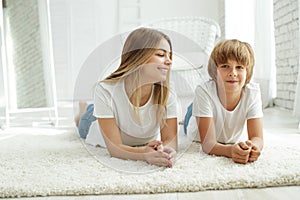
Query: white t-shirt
111	101
229	125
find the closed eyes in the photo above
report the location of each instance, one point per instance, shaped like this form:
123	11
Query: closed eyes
162	53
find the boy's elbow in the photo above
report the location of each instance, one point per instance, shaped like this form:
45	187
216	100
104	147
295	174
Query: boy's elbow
207	147
208	152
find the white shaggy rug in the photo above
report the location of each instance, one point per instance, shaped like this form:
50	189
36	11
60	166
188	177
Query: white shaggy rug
45	162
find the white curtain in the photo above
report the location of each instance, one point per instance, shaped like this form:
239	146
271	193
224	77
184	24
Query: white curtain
264	47
252	22
239	20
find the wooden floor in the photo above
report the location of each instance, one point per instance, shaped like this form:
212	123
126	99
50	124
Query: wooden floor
276	121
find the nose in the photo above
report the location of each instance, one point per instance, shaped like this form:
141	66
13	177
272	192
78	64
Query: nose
168	61
233	72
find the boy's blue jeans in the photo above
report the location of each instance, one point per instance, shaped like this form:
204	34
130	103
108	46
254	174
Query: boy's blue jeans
187	117
86	120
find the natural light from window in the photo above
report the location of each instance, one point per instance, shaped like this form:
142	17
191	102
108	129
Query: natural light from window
251	21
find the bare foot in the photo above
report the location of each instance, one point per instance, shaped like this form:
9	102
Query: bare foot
82	107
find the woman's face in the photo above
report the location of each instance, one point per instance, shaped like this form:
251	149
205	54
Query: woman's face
231	77
158	65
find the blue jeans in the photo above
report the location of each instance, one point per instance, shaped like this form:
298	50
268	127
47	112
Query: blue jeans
86	120
187	117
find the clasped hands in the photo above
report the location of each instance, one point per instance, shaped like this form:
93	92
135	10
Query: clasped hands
157	154
244	152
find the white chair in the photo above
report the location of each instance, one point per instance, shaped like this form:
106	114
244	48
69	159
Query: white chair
204	31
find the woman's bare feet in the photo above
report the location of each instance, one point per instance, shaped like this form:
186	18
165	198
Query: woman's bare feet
82	107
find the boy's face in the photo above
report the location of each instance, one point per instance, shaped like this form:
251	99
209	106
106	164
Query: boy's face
231	77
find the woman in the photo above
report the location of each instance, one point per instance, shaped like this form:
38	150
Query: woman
134	106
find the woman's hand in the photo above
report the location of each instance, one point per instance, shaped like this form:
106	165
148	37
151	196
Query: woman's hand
172	155
159	155
155	145
241	152
158	158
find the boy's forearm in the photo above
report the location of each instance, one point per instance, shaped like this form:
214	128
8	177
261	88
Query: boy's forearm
258	142
217	149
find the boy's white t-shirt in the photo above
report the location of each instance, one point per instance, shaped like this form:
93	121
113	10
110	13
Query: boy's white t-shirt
229	125
111	101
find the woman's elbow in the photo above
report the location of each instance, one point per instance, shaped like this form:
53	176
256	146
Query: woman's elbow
113	152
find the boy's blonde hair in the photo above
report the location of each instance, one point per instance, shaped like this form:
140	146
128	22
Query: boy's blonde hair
233	49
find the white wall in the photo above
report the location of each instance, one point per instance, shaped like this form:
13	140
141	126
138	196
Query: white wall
79	26
287	51
156	9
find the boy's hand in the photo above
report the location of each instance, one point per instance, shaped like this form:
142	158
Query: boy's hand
254	153
241	152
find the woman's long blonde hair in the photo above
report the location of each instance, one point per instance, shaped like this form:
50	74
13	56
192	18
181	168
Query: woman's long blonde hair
139	46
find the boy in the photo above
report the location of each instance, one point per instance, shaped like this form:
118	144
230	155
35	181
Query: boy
224	104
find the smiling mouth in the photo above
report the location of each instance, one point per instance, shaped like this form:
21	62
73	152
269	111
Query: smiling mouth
163	69
231	81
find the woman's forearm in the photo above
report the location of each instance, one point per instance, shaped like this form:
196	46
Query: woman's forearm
111	135
171	142
127	152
